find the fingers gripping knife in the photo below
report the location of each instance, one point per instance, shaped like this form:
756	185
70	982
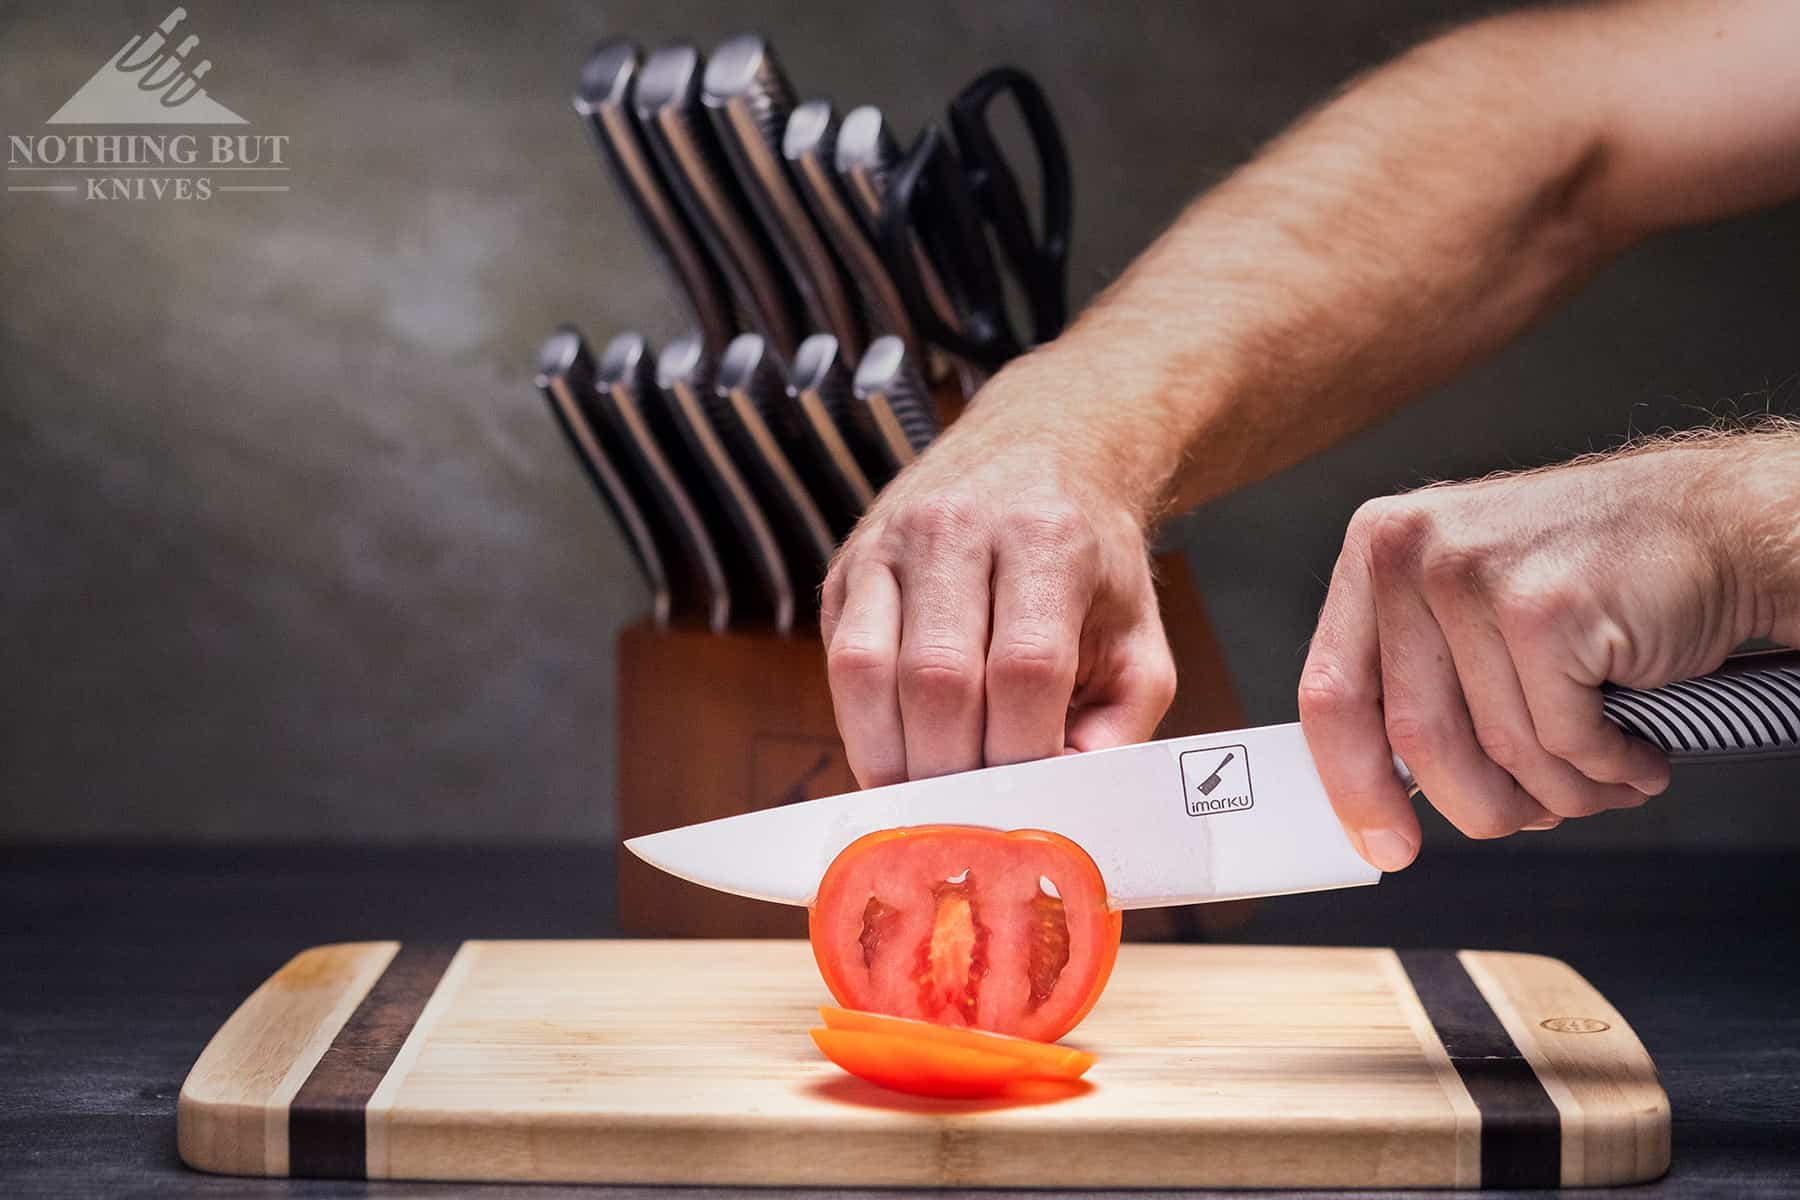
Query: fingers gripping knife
1748	708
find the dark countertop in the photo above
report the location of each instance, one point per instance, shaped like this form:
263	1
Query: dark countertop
120	963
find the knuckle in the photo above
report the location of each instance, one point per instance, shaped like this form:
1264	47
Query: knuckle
1053	523
1502	743
857	666
940	675
1326	691
1416	737
1580	745
1028	661
1537	612
937	520
1451	568
1399	531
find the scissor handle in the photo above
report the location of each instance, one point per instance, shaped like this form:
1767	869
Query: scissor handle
928	205
1041	264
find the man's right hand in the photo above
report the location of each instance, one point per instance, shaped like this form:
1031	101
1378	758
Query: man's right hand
995	604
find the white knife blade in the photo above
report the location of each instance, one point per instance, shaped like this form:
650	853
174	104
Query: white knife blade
1265	828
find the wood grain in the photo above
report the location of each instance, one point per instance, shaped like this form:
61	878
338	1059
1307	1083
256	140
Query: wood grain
1615	1115
688	1062
232	1114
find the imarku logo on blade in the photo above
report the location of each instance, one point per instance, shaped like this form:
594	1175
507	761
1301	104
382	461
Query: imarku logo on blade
1216	779
154	80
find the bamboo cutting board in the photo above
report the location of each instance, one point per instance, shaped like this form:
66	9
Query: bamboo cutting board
689	1062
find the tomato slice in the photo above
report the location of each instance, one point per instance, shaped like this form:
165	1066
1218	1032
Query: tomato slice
1043	1060
1008	932
922	1068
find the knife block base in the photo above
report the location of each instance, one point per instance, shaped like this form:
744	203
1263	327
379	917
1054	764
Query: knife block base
712	725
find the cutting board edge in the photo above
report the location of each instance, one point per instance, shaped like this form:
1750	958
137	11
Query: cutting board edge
1622	1144
231	1112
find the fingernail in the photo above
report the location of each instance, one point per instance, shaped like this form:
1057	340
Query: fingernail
1652	787
1546	823
1387	849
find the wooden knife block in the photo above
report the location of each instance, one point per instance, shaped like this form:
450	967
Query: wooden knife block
711	725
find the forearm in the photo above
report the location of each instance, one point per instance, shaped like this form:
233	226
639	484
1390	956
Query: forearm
1404	230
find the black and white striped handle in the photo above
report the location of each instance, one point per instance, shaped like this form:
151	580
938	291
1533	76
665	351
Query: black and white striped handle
1748	708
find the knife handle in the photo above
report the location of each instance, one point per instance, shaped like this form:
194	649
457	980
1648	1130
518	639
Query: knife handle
566	374
810	146
893	404
671	113
1747	709
604	102
750	99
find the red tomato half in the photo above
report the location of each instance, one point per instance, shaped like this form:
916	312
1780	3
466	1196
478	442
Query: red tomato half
960	926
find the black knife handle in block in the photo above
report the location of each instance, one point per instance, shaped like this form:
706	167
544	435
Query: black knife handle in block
755	570
827	445
745	406
604	100
566	373
750	98
892	405
622	400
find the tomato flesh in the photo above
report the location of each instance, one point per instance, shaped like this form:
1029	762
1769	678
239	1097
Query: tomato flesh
1002	931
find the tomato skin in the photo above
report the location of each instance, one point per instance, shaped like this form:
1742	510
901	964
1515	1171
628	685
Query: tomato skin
921	1068
1043	1060
950	924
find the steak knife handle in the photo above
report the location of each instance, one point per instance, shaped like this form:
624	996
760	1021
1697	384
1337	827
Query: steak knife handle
1748	709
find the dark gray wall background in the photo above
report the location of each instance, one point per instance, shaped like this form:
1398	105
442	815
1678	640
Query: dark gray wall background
289	548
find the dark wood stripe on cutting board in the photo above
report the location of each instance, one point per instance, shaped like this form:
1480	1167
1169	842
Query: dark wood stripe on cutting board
327	1137
1521	1131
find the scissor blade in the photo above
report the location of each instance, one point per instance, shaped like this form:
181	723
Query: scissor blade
1265	829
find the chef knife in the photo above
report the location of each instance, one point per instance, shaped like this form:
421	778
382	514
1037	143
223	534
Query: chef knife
891	404
565	374
754	566
604	100
810	147
750	388
829	450
749	97
1266	828
669	110
625	387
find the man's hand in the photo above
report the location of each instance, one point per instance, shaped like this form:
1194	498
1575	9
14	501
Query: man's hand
1469	628
995	604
